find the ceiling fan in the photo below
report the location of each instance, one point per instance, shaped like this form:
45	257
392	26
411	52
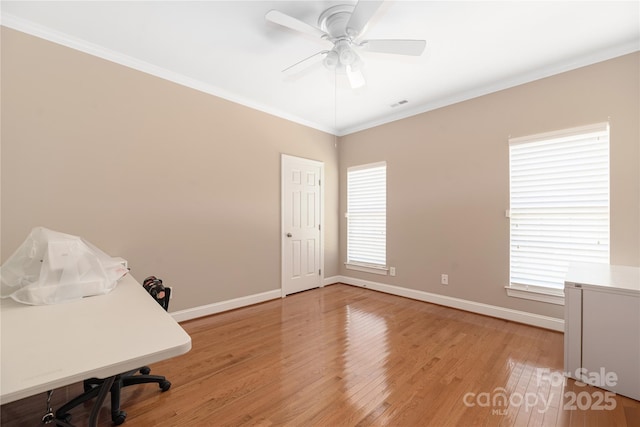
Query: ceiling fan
343	25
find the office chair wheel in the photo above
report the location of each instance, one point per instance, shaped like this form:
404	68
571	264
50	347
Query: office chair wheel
145	370
165	385
118	418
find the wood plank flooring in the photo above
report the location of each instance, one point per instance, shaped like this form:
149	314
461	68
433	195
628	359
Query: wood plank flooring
346	356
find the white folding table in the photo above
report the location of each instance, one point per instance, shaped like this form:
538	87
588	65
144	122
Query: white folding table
50	346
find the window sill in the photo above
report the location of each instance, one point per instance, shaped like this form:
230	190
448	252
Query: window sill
551	296
381	270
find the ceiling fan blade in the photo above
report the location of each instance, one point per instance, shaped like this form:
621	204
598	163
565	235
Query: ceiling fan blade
398	47
356	79
361	14
285	20
296	66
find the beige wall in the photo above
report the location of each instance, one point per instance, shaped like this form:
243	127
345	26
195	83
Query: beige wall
184	185
448	179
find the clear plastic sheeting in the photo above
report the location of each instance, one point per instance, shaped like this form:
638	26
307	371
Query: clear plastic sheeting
52	267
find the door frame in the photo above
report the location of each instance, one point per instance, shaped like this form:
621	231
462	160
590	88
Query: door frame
289	158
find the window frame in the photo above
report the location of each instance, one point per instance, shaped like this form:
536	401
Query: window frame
549	294
360	265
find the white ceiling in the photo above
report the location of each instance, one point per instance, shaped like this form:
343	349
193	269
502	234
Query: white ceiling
226	48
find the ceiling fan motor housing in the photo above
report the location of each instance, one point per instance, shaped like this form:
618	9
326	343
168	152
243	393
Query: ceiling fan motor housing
334	22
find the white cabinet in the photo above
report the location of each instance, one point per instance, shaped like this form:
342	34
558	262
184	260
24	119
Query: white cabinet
602	327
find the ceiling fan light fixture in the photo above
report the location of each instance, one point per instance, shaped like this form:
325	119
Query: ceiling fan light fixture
332	60
346	54
347	57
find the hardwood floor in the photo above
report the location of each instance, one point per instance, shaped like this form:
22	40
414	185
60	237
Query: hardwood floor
346	356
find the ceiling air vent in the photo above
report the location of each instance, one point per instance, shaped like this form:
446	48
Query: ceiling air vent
404	101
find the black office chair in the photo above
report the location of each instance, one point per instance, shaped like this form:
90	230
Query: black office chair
154	287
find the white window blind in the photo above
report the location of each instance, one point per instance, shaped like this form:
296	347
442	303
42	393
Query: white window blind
559	185
367	215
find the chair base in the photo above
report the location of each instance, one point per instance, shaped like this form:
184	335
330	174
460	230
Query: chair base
92	388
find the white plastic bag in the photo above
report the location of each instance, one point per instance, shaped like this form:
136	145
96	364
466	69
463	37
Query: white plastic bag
52	267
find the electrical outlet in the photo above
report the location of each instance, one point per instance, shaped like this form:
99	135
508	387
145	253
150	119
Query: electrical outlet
444	279
392	271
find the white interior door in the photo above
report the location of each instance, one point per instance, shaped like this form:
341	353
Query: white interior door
301	224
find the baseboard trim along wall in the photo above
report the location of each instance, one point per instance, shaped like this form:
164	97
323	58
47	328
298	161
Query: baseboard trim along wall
232	304
219	307
461	304
532	319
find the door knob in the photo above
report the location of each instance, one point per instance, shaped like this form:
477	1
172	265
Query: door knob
289	235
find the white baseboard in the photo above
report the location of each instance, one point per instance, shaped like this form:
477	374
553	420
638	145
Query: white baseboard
532	319
331	280
461	304
219	307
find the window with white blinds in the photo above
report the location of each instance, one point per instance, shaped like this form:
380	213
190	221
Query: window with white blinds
559	189
367	215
